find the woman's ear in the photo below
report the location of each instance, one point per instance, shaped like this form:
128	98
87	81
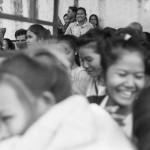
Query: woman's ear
45	102
40	40
48	98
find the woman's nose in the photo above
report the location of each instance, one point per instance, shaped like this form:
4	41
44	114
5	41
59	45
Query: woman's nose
130	82
85	64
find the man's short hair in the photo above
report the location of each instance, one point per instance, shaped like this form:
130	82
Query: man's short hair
20	32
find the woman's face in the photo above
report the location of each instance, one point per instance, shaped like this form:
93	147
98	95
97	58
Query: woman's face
90	61
125	78
93	21
70	14
80	15
31	37
66	20
16	116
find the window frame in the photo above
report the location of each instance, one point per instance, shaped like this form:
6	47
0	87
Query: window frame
33	19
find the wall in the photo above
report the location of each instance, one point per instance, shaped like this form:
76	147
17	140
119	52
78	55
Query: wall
63	7
113	13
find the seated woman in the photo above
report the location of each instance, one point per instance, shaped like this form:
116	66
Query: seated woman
91	46
93	19
37	33
124	64
79	76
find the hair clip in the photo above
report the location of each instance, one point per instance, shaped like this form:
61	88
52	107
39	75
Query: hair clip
127	37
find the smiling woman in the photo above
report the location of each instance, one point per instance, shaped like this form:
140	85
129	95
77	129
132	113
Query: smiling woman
81	26
124	65
91	46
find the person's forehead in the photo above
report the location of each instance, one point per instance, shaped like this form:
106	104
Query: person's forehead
80	11
9	97
93	17
21	37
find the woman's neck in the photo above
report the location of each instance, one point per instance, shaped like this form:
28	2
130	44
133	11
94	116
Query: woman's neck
100	80
81	23
122	110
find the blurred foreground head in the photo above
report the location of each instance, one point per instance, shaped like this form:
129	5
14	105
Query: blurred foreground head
51	50
28	88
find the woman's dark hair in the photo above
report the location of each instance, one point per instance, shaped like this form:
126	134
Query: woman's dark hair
109	32
40	31
38	77
71	39
11	45
116	46
81	8
94	38
96	17
141	120
74	9
135	34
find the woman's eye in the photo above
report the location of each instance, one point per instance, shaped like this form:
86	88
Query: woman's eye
122	74
140	76
6	118
89	59
81	60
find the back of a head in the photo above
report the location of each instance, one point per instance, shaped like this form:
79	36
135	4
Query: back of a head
135	34
109	32
38	77
141	120
136	26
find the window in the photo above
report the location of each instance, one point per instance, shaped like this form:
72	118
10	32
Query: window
16	14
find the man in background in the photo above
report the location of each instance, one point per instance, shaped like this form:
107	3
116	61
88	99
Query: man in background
21	38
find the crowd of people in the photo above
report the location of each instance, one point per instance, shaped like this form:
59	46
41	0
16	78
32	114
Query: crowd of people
87	89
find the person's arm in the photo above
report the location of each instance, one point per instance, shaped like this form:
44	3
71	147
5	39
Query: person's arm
68	30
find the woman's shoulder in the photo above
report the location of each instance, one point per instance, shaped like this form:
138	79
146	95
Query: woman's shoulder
89	25
73	24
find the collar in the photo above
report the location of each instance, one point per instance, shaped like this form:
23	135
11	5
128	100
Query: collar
84	25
